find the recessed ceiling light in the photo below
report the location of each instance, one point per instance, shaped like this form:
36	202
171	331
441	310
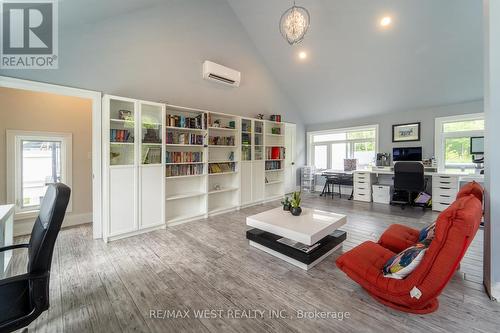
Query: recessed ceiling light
302	55
386	21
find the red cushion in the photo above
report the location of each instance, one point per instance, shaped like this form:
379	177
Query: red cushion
471	188
398	237
455	230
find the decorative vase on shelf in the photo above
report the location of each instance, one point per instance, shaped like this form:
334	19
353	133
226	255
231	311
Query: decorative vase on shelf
295	204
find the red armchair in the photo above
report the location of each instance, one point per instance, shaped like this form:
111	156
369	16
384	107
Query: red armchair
399	237
418	292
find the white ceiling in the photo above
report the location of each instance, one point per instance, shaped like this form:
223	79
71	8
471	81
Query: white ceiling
432	55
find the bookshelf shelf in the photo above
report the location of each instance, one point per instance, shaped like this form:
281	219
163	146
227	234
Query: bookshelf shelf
184	195
274	182
230	189
222	129
222	173
185	176
183	163
182	145
174	128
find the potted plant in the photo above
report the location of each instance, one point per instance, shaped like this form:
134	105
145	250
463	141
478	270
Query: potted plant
286	203
295	204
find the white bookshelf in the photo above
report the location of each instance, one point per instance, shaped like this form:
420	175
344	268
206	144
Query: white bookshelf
186	169
173	164
223	162
274	154
134	186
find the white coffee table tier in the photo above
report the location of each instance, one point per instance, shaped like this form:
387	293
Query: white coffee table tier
308	228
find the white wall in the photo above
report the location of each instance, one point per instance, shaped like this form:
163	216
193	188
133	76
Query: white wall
157	53
425	116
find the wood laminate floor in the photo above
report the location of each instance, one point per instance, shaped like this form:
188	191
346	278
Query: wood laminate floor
207	264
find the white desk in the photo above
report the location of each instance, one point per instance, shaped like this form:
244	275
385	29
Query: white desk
445	183
6	235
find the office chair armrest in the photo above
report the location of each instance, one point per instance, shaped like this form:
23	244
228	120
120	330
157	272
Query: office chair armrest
13	247
24	277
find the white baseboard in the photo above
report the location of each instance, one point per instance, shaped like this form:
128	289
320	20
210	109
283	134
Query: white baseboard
24	227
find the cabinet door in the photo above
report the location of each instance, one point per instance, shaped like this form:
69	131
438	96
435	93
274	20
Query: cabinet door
151	170
122	193
258	181
246	182
152	202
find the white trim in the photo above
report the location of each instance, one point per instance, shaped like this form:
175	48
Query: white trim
95	97
24	227
439	135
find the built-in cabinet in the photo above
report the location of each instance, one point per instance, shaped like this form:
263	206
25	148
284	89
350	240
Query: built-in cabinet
167	164
134	169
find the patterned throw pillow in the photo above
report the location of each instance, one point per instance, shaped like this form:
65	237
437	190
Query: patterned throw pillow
427	232
405	262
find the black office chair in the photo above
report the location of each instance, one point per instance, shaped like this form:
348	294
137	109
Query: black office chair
408	179
24	297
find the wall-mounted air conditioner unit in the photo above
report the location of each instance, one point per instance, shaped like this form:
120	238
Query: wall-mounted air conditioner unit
221	74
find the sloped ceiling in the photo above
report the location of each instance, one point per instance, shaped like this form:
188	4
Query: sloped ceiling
432	54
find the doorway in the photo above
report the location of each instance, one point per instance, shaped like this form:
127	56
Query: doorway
78	159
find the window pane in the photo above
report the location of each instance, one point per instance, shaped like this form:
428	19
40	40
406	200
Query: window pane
364	152
329	137
365	134
320	156
41	165
466	125
457	152
339	153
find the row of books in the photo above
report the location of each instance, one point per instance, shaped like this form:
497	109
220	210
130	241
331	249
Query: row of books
184	138
273	165
183	157
221	140
221	167
118	135
275	117
275	153
184	170
185	122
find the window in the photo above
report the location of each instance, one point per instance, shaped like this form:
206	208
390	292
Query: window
452	140
36	159
328	149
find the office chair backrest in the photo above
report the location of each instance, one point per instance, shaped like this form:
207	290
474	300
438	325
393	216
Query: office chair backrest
47	226
409	176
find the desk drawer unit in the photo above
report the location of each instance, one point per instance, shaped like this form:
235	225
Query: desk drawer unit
363	182
444	191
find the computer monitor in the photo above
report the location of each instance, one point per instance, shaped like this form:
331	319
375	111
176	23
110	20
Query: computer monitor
477	145
407	154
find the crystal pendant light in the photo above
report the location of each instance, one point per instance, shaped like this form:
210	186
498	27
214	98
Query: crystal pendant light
294	24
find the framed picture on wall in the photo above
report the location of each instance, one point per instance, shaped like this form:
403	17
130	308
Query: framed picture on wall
406	132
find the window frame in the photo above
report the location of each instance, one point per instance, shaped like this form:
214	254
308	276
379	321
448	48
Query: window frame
440	136
14	166
311	144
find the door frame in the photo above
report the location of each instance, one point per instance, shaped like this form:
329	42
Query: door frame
293	154
95	97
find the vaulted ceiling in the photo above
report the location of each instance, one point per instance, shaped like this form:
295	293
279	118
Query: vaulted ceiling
431	55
